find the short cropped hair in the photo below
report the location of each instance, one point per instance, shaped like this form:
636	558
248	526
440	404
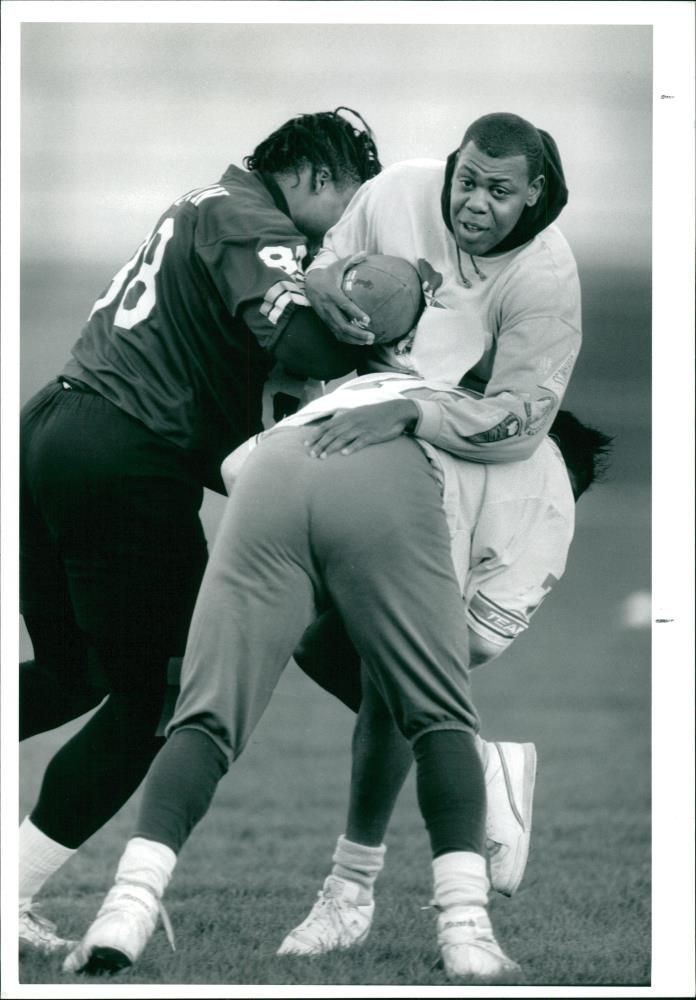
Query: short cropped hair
325	140
504	134
586	451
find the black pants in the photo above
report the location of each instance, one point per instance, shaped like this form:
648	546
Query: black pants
112	553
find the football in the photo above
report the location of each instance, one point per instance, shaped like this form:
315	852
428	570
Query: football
389	290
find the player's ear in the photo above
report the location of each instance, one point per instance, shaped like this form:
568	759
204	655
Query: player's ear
534	190
322	176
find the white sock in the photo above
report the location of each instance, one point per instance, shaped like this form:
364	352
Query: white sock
39	858
460	879
358	863
148	863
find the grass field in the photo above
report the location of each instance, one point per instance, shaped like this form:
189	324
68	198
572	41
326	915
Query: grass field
578	684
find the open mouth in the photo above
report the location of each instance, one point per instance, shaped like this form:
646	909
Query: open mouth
471	227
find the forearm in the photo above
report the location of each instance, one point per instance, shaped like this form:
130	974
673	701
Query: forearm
309	349
344	244
489	430
532	366
324	258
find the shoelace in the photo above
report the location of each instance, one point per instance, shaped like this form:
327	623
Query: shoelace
493	847
166	922
326	904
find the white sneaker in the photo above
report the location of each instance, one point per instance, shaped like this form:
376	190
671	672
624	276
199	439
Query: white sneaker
335	922
510	772
468	946
37	934
117	937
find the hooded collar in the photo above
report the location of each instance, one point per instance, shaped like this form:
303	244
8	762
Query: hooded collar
534	218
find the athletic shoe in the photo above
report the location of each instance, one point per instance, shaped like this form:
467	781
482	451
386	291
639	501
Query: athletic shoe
510	772
468	946
37	934
122	928
335	922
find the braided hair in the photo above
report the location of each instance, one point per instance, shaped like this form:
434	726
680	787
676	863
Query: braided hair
322	140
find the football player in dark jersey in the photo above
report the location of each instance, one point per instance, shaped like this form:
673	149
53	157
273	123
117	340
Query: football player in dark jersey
165	380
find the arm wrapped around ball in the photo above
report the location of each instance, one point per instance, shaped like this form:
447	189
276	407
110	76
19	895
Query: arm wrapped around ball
367	298
389	290
307	348
325	290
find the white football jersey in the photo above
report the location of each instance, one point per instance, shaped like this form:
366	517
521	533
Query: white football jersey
508	324
510	524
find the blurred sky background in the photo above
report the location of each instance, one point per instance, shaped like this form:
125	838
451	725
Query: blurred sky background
123	117
119	119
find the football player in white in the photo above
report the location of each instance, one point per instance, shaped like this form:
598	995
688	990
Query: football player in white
388	538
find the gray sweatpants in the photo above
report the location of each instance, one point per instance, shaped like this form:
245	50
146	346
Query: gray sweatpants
366	532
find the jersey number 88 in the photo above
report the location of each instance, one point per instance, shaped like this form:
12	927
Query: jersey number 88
137	291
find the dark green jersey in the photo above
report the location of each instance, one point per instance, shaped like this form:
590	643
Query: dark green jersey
182	337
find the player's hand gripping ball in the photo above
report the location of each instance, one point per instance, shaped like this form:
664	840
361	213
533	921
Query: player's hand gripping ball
389	291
